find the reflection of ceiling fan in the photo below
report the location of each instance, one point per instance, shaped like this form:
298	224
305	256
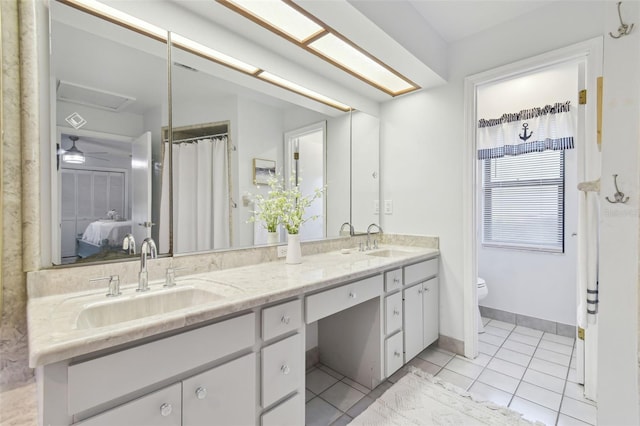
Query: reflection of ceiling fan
74	156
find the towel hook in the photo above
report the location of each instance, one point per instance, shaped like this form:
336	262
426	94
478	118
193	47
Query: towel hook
623	29
618	197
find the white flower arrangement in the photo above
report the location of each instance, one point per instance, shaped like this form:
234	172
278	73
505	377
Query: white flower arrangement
284	206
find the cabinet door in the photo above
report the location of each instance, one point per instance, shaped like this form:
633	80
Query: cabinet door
289	413
282	369
224	395
413	323
431	306
161	408
393	313
393	353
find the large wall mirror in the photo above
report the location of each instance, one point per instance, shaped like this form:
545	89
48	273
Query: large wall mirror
116	80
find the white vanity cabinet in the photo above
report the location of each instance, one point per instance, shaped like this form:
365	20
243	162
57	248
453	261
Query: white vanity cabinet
421	307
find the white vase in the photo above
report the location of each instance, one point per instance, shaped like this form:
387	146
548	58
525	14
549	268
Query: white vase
294	253
272	238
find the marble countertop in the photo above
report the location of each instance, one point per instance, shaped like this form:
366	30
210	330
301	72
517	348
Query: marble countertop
56	334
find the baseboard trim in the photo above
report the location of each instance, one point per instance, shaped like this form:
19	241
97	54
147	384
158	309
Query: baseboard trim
531	322
450	344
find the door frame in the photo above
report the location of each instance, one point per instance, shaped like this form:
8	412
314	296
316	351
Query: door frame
589	51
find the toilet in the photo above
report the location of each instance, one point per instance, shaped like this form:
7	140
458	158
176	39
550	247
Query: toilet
482	293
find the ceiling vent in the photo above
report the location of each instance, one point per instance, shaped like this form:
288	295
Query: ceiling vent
83	95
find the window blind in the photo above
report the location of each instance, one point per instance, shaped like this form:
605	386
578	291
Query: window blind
524	201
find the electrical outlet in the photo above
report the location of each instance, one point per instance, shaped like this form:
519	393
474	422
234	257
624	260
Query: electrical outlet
376	206
388	206
282	251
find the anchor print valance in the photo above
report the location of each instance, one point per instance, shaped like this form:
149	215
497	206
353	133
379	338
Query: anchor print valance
531	130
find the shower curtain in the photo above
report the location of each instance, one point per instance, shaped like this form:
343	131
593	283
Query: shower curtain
200	196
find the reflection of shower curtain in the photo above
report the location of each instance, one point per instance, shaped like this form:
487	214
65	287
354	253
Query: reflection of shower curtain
200	197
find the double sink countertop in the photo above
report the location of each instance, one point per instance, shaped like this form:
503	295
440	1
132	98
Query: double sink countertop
68	325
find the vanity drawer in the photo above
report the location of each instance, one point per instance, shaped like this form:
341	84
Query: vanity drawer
105	378
420	271
393	313
393	353
393	280
281	319
329	302
282	369
289	413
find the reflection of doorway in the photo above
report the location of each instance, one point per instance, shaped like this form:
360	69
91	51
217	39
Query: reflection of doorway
305	156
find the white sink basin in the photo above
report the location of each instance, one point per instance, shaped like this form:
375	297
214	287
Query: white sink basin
388	253
155	302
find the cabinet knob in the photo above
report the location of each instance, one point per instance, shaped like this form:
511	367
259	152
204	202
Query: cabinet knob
396	353
420	291
427	289
285	319
396	280
352	295
201	393
396	311
285	369
165	409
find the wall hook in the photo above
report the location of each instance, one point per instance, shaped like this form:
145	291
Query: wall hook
618	197
623	29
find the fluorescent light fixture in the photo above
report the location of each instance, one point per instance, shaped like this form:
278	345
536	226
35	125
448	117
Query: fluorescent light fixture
284	83
118	17
289	20
279	15
208	53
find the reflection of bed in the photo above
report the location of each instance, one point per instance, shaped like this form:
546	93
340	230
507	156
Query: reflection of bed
101	235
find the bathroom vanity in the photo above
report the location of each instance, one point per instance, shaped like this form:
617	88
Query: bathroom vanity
228	347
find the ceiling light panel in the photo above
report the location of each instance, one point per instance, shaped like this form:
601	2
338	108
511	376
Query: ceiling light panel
279	81
202	50
280	16
349	57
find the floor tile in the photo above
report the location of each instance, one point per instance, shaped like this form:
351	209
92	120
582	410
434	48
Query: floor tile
360	406
484	392
528	331
576	391
532	411
439	349
506	367
481	359
398	375
426	366
455	378
356	385
434	356
501	324
342	396
498	380
543	380
344	420
318	381
487	348
551	356
549	368
564	420
308	395
572	376
519	347
578	410
523	338
574	362
513	356
491	339
319	412
496	331
558	339
380	389
330	371
485	321
556	347
539	395
466	368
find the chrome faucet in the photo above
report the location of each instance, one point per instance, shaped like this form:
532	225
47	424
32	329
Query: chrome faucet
375	242
129	244
348	225
148	248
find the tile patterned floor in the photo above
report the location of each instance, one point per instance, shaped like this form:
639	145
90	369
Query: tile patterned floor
528	370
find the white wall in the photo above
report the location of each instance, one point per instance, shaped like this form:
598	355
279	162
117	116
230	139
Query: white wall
422	135
365	171
537	284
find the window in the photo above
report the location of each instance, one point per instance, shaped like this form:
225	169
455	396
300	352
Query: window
524	201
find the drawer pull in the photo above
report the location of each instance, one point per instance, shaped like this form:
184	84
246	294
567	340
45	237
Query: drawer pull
396	311
352	295
201	393
285	319
396	280
396	353
427	289
420	291
165	409
285	369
